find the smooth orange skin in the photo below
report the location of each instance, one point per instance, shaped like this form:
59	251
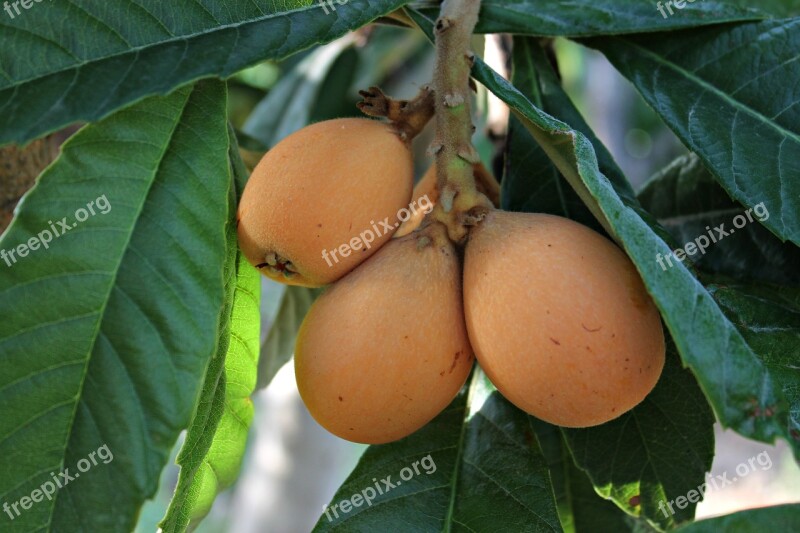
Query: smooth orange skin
319	189
559	319
385	349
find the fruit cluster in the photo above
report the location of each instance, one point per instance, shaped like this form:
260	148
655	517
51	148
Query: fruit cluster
556	314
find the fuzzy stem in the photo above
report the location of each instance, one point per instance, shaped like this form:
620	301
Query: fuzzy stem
460	202
409	117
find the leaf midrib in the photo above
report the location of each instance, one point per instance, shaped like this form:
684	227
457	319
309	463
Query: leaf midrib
111	285
693	77
449	517
651	27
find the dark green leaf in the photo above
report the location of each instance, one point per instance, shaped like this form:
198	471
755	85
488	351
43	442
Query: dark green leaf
289	105
390	50
778	518
726	93
602	17
532	182
68	61
769	319
651	455
487	474
688	200
689	203
105	336
778	8
337	95
580	508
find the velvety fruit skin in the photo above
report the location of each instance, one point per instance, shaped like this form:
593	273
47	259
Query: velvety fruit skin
385	349
559	319
319	190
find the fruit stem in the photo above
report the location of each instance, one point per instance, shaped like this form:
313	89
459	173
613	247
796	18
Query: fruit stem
409	117
461	204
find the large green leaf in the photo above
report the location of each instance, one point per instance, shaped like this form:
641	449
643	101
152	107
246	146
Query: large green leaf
690	203
580	508
731	375
211	455
106	334
729	93
780	8
532	182
778	518
769	318
480	469
687	198
655	453
602	17
80	60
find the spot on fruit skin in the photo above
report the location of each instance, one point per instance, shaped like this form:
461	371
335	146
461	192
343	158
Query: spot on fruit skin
522	352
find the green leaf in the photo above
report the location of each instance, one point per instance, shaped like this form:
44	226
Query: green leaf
278	348
602	17
532	182
768	318
289	105
106	334
654	453
391	50
778	518
687	198
212	453
580	508
480	469
689	203
73	61
731	375
724	92
337	96
212	461
780	8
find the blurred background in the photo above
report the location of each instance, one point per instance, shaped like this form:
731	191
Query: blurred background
293	467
